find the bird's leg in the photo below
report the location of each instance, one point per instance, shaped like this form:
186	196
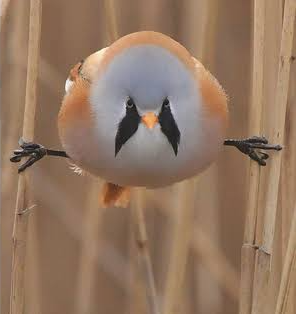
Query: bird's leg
250	145
34	152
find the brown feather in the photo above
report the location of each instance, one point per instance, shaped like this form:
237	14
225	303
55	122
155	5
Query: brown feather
214	96
75	106
148	38
114	195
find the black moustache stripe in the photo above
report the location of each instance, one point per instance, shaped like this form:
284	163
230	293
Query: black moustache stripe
127	127
169	127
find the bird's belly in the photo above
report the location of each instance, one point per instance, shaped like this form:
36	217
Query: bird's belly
146	159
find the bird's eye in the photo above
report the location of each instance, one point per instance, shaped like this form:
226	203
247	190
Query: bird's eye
166	103
130	103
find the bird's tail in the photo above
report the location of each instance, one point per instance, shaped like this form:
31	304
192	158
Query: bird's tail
114	195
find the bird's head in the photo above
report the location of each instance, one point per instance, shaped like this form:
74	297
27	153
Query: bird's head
145	83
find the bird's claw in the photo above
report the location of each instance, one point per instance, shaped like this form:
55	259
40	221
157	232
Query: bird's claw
250	145
28	149
259	156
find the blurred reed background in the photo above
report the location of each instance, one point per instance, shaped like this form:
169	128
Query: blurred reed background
83	259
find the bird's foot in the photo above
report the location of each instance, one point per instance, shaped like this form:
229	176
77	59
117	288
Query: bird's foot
28	149
250	146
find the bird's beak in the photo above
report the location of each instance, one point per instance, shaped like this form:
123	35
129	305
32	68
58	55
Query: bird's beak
150	119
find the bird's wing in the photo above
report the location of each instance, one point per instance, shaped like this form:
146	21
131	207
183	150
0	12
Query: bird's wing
214	96
75	121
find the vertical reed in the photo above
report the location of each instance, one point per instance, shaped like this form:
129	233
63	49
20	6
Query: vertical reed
12	93
22	203
111	20
213	259
288	174
182	233
255	112
289	271
89	248
4	4
138	221
263	256
273	31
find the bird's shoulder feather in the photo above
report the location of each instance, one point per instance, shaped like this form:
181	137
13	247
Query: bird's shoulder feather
213	95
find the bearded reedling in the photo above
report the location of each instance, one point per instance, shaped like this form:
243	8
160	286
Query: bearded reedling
142	112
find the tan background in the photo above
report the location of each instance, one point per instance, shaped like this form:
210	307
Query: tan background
81	259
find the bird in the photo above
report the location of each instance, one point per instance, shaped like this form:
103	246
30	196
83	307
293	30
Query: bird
142	112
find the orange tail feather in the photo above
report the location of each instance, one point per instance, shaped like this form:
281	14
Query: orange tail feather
114	195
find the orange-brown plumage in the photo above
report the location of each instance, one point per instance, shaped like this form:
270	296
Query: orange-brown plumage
75	109
114	195
214	96
150	38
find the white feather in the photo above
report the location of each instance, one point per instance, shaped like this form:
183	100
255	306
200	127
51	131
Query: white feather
69	83
77	170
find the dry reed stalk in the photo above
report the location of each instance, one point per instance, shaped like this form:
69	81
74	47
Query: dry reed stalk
255	113
180	240
89	248
136	303
209	29
3	11
111	20
288	174
22	203
206	243
12	110
33	295
279	116
212	257
272	42
288	184
142	246
262	267
273	27
289	270
111	261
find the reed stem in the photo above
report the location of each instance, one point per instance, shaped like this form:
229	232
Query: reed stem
22	204
143	251
289	270
4	4
255	113
182	232
263	258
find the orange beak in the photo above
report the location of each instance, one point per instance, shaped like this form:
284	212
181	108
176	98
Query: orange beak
150	119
